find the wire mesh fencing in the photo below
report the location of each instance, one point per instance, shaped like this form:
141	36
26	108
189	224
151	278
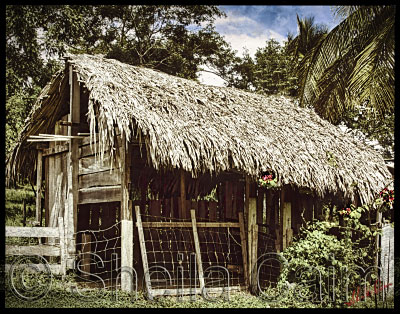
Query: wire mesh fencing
171	254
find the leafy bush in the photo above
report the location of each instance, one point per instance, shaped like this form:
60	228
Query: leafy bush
328	257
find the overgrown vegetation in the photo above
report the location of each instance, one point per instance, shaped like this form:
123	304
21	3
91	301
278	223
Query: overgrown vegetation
332	259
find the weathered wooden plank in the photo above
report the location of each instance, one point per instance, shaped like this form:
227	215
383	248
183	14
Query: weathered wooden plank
95	215
191	291
92	164
55	269
212	210
197	248
202	209
55	150
260	207
43	250
235	200
46	191
246	202
86	249
244	248
100	194
185	224
63	246
39	186
124	175
36	232
286	222
228	199
55	211
252	220
85	149
103	178
167	207
281	219
183	195
154	209
269	210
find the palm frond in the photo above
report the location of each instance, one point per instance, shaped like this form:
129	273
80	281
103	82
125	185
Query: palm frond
353	38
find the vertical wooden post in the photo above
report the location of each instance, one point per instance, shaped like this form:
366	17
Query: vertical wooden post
287	223
197	248
126	215
183	194
143	248
228	199
246	199
244	248
63	248
39	187
234	201
73	162
254	257
252	222
282	230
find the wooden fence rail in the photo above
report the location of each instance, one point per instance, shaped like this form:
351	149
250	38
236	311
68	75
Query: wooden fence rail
41	249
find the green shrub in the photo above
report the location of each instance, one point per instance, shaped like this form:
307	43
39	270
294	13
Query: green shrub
324	250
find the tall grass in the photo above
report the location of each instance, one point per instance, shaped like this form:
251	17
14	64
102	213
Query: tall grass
15	202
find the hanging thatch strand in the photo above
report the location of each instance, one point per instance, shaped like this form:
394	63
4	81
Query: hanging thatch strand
204	128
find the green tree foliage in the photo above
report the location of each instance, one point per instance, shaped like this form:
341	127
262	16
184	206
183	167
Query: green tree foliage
352	65
347	74
170	38
270	72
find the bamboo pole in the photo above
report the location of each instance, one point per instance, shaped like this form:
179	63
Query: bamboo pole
197	248
143	248
39	187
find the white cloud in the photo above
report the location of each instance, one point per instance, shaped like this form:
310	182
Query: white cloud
239	41
242	31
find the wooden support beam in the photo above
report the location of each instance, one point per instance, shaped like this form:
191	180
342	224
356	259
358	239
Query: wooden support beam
197	248
183	194
252	221
127	253
143	249
187	224
254	246
244	248
246	200
281	220
63	246
125	154
73	161
39	187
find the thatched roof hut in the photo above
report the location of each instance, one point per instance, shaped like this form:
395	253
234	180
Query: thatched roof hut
202	129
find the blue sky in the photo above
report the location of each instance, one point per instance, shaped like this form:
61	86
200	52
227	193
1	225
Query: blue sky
251	26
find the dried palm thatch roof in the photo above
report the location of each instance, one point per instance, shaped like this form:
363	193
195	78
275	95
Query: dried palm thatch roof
211	129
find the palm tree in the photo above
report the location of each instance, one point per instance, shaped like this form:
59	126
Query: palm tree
353	65
301	46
